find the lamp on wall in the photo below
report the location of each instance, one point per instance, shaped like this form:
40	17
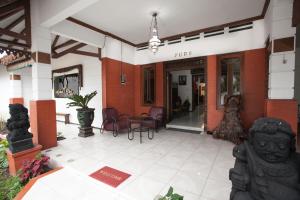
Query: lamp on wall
123	75
154	41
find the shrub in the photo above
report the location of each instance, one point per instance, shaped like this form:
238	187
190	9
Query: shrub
9	187
33	168
3	157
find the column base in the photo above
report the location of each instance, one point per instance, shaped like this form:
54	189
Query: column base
15	160
86	132
16	100
43	123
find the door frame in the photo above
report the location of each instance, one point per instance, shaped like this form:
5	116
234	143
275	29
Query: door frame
184	64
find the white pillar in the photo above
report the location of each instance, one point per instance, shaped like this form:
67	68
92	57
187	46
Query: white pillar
42	106
282	64
15	86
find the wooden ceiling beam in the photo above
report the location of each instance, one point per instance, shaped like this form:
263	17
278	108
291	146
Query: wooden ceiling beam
14	23
27	22
70	50
16	40
12	34
81	23
67	43
85	53
11	9
13	43
55	41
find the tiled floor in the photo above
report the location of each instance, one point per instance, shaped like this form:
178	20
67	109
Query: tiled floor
189	121
196	165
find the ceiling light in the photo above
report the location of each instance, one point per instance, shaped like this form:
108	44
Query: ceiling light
154	41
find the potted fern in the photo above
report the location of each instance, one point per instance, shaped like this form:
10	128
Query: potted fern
85	115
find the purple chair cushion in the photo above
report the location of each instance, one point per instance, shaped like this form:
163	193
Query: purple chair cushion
112	120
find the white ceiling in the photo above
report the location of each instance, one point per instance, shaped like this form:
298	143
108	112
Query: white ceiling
130	19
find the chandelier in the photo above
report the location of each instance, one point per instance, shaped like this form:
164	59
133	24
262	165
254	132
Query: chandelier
154	41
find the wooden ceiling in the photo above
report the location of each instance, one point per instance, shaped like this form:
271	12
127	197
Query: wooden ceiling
15	13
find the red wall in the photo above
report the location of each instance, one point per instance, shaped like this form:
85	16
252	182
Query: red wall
214	116
254	86
127	98
253	89
159	99
285	109
114	93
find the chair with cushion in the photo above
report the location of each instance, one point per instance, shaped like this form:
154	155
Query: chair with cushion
113	121
155	118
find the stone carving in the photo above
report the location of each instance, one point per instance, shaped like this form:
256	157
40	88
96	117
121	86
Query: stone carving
267	166
230	127
19	138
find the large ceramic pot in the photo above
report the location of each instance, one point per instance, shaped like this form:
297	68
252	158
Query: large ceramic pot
85	117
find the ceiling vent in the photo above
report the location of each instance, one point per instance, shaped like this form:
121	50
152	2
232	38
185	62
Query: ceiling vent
213	33
142	48
174	41
192	37
241	27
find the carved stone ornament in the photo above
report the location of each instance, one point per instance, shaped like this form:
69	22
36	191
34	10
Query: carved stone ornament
267	166
19	139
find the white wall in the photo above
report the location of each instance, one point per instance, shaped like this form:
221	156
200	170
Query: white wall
281	74
4	88
227	43
297	67
184	91
91	81
26	79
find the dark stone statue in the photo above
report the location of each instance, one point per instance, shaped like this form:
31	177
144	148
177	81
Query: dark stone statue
230	127
267	166
19	139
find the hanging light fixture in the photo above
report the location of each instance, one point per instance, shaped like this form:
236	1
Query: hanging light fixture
122	75
154	41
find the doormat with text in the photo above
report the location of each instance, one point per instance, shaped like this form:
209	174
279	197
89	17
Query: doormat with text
110	176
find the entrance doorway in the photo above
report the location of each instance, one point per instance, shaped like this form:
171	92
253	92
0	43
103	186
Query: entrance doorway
185	94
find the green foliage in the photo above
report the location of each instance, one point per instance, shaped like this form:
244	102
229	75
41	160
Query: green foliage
9	187
171	195
3	157
81	101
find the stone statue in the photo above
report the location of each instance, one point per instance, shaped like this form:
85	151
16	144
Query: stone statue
267	166
19	138
230	127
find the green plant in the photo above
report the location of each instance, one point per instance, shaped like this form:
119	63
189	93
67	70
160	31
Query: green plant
171	195
33	168
9	187
81	101
3	157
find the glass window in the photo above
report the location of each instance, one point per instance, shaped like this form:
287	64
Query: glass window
229	78
148	85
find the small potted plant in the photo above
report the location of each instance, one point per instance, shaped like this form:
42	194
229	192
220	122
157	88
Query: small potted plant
169	196
85	115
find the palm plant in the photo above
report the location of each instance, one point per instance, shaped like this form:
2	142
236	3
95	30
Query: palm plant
81	101
85	115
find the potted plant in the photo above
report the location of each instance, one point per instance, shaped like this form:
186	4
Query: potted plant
85	115
170	196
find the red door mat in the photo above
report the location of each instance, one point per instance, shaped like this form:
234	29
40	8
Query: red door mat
110	176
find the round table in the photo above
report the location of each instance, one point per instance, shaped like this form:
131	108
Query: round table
140	128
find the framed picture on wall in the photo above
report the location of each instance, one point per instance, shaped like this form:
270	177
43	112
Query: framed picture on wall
182	80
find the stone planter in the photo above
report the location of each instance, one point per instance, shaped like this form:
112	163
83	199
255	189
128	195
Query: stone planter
85	118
